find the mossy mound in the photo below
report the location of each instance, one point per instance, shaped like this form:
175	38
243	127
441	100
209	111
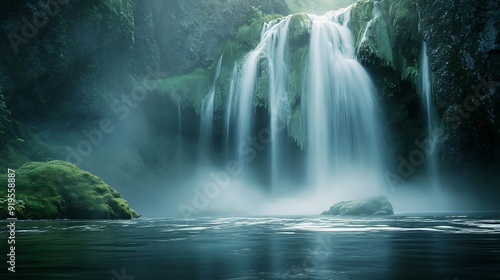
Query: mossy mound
61	190
375	205
300	29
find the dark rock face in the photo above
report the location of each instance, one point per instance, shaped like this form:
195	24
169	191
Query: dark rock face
65	72
389	46
146	50
375	205
190	33
464	52
62	54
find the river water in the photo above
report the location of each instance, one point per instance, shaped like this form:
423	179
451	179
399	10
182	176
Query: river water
431	246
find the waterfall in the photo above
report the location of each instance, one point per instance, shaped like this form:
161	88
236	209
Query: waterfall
344	140
207	115
345	143
272	47
426	94
233	87
276	54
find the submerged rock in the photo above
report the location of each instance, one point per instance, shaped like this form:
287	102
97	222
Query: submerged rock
375	205
61	190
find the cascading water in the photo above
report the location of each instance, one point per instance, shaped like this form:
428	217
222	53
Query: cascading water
230	109
344	142
426	93
273	46
207	115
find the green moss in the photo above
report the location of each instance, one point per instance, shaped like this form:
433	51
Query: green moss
317	6
248	35
361	14
188	89
299	30
60	190
298	62
388	44
262	86
404	25
411	74
297	127
386	33
372	33
300	26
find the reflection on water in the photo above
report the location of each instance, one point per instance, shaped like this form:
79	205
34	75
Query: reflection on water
397	247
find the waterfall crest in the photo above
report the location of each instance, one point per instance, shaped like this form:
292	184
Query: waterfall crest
344	142
344	135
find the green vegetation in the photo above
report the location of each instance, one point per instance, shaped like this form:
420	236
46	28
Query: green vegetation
317	6
361	14
388	44
250	34
247	38
262	88
187	90
387	36
60	190
297	127
298	62
372	33
300	29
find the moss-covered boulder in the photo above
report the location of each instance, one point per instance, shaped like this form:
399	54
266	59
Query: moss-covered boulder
300	29
375	205
61	190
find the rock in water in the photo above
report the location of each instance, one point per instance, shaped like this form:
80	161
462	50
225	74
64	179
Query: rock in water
61	190
375	205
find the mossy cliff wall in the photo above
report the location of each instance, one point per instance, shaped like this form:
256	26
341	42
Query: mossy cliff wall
189	32
61	64
388	44
59	75
464	53
463	50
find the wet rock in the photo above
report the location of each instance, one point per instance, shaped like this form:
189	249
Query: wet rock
375	205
